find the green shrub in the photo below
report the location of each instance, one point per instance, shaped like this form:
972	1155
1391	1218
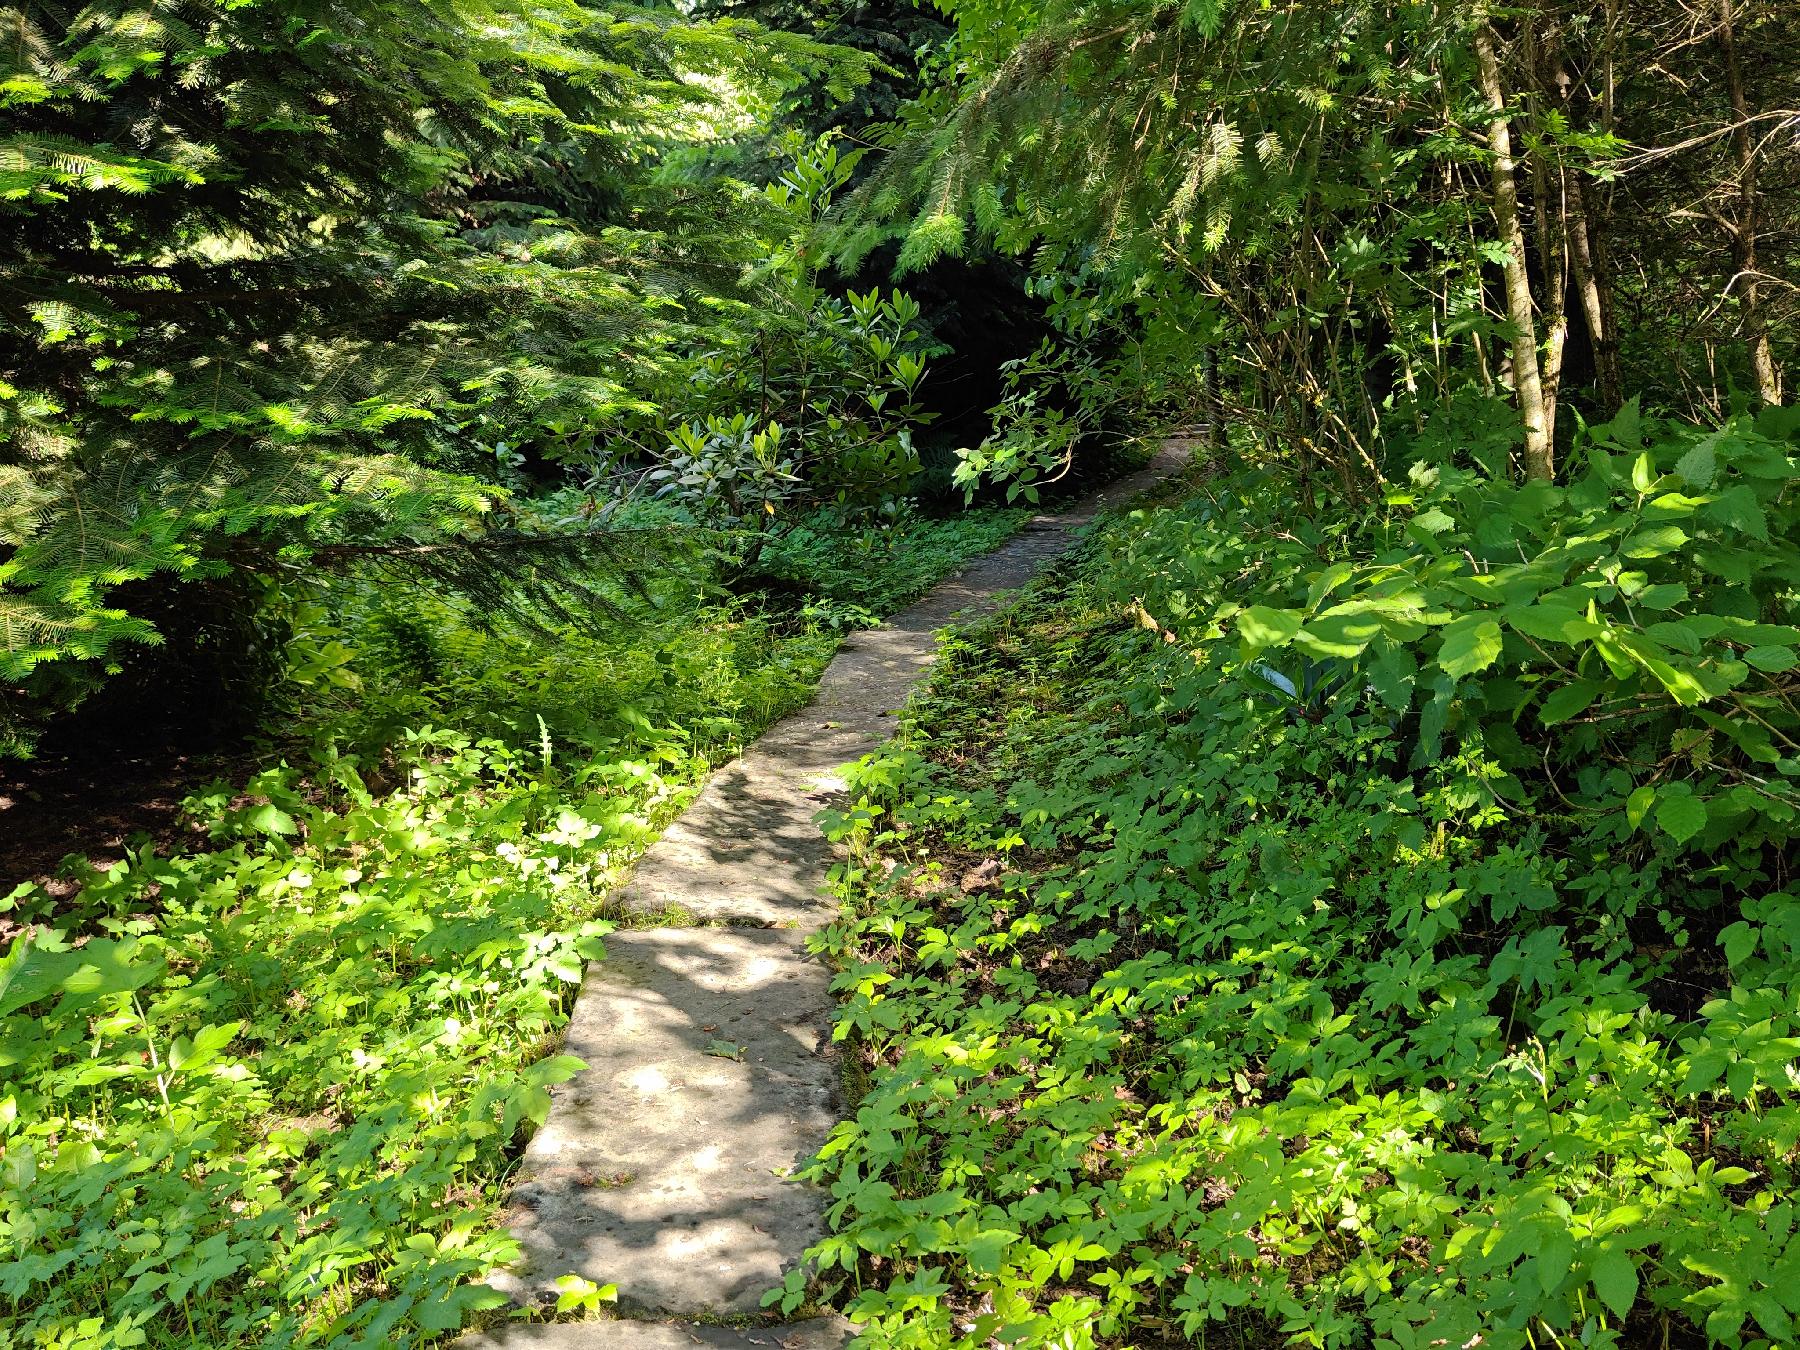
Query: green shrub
1334	989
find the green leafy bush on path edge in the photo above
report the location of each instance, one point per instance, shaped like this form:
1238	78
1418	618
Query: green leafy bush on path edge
268	1092
1394	944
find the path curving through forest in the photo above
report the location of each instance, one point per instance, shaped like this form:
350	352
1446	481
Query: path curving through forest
711	1075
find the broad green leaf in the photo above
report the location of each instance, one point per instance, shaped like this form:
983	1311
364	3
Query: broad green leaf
1554	1256
1682	684
1327	582
575	1291
18	1166
1773	660
1722	677
204	1048
29	973
1736	565
1680	636
985	1250
556	1069
1673	504
1700	465
1618	657
1470	644
1759	634
1655	541
1391	675
1432	718
1738	508
270	819
1626	430
1550	622
1615	1280
1638	804
105	967
1260	627
1739	941
1663	596
1338	634
1750	737
1680	814
1705	1065
1572	698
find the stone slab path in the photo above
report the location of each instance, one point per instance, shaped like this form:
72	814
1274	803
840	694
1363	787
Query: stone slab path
710	1077
819	1333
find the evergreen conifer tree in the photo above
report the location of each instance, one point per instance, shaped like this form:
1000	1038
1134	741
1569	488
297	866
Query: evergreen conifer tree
277	278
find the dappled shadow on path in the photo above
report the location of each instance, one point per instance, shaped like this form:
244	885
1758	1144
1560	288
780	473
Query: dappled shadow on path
662	1167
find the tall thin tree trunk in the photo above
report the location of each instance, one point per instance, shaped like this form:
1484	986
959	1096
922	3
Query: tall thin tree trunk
1210	400
1583	257
1743	237
1527	380
1591	284
1551	227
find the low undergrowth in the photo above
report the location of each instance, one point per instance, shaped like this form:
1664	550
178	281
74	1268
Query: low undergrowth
1370	929
267	1091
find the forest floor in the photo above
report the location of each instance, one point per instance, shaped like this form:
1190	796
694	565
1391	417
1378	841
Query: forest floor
86	798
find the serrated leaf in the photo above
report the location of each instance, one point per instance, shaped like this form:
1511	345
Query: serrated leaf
1550	622
1655	541
1704	1068
1774	660
985	1250
1259	626
1555	1254
1662	596
1683	685
1738	508
1625	431
1572	698
1680	636
1470	644
1680	814
28	973
1615	1280
1338	634
1391	676
1206	16
271	819
1739	941
1700	465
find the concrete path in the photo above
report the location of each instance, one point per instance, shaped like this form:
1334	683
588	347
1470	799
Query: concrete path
710	1070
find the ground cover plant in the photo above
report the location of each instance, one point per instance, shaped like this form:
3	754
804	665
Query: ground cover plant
267	1091
1375	929
1355	907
